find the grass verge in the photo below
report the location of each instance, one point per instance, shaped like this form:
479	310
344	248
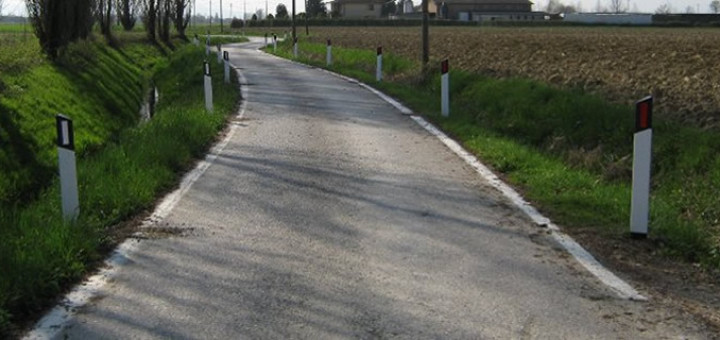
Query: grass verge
568	152
40	255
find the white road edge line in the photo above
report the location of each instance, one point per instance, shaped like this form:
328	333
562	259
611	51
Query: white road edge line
621	288
54	321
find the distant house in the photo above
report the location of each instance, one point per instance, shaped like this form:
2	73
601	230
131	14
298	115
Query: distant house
488	10
359	9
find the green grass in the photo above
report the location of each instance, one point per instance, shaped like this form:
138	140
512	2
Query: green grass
568	152
15	28
97	86
39	254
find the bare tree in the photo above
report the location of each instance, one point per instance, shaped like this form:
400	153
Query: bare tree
103	12
599	7
665	8
164	18
555	7
714	6
2	4
127	13
181	16
150	14
618	6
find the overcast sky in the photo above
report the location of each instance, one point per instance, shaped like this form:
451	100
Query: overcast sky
647	6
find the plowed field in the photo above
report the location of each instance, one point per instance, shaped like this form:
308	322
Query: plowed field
680	67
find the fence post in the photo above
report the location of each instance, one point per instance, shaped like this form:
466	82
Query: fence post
445	88
68	170
642	158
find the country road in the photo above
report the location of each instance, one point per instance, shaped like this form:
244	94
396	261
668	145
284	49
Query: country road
330	215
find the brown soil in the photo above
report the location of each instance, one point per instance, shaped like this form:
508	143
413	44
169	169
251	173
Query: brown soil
678	66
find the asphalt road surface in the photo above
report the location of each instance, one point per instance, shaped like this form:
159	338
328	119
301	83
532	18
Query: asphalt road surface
331	215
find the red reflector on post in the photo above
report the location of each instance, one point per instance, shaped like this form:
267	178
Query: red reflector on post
329	42
445	67
643	114
379	50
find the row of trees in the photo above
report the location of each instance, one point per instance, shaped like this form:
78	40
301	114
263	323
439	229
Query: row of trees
619	6
59	22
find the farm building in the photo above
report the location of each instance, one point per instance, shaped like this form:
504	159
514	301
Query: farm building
488	10
361	9
610	19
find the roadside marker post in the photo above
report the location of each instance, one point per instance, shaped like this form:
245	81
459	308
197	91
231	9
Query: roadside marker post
68	168
196	41
295	47
274	42
642	158
226	60
445	89
328	54
219	54
208	88
378	69
266	39
207	44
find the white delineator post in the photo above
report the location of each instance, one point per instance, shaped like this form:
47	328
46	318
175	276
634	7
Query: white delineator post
328	54
295	51
226	60
219	54
68	170
208	88
445	88
196	41
207	44
642	157
378	69
274	42
266	39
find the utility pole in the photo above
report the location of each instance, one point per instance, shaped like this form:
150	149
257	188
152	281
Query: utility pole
221	17
266	9
210	16
293	19
192	14
307	13
425	38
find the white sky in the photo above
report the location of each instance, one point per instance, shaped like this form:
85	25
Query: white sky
17	7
